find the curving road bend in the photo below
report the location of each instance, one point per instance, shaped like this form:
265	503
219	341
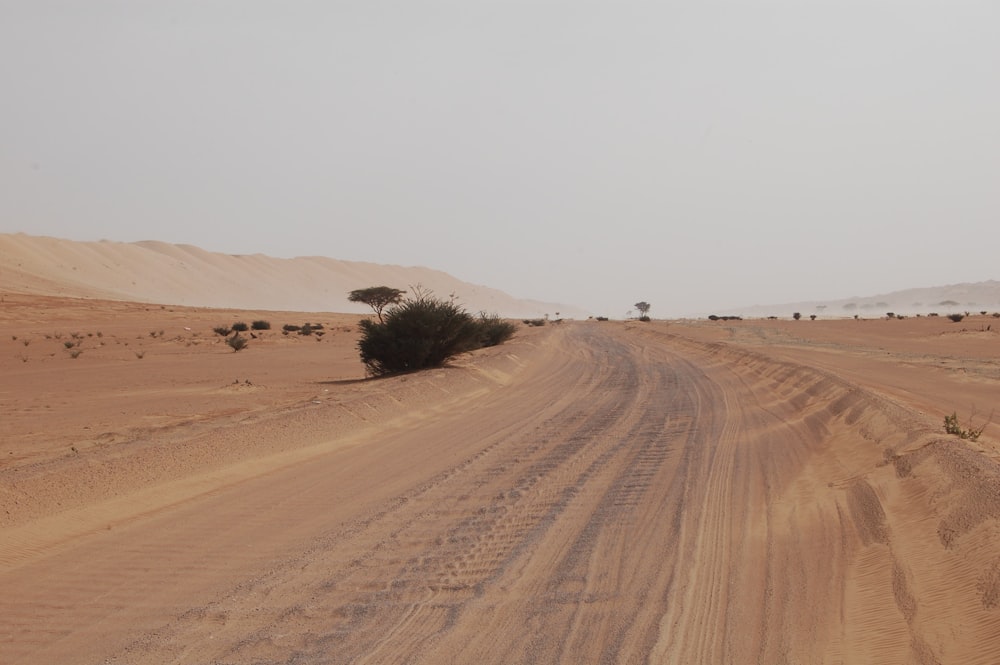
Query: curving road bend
626	497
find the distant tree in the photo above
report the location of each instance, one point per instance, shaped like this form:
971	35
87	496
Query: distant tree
797	315
377	297
643	308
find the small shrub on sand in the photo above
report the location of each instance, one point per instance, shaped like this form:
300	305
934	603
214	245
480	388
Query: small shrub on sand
261	325
534	322
240	326
291	327
952	426
236	342
425	332
493	330
956	317
222	331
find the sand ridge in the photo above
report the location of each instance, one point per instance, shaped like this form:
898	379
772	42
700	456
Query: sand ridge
159	272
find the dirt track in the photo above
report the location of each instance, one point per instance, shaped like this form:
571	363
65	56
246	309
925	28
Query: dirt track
590	493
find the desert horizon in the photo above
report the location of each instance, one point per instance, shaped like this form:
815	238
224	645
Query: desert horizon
751	491
157	272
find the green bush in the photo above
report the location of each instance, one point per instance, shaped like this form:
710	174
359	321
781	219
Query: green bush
239	326
493	330
956	317
291	327
951	426
424	332
260	325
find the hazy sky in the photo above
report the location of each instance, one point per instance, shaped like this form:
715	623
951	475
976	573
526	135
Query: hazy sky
697	155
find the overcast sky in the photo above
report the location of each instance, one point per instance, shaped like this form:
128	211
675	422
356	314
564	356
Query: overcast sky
696	155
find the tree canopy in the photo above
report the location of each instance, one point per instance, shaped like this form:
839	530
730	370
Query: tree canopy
643	307
377	297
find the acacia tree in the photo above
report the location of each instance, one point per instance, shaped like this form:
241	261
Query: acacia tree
643	307
377	297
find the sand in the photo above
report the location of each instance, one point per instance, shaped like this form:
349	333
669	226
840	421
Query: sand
729	492
590	492
158	273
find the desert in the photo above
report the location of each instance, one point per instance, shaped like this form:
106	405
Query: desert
690	351
686	491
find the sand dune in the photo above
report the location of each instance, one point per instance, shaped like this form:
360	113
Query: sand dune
158	272
971	297
743	492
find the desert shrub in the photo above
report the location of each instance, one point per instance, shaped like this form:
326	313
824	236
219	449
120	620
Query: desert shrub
236	342
240	326
996	315
222	330
418	333
933	314
69	344
534	322
306	329
290	327
952	426
261	325
75	353
797	315
812	317
493	330
645	319
713	317
602	318
956	317
890	315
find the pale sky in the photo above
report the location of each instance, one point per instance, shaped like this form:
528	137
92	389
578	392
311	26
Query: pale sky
697	155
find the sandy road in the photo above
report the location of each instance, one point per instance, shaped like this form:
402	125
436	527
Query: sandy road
626	497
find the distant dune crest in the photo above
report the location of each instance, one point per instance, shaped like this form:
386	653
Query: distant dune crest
952	298
159	272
